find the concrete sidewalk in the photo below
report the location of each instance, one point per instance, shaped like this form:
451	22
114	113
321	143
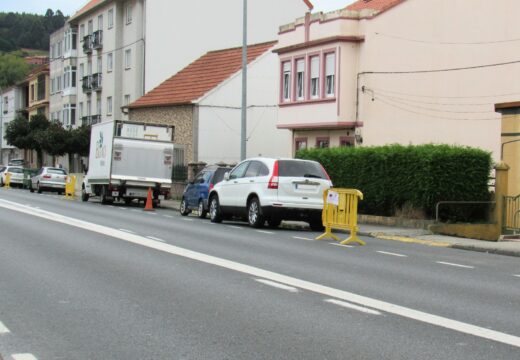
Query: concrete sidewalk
408	235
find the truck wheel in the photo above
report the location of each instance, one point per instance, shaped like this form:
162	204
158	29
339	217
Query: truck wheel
184	208
215	213
104	197
254	213
202	212
84	195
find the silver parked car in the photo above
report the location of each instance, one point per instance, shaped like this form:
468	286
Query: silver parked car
49	179
16	175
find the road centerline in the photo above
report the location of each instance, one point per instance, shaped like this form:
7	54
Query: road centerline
277	285
256	272
455	265
391	254
352	306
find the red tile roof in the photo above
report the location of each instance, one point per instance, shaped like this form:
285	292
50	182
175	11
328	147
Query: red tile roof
377	5
88	6
201	76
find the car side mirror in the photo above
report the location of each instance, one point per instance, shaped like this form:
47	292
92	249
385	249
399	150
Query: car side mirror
226	176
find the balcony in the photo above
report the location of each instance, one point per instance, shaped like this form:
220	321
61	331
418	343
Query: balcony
97	40
90	120
95	83
87	44
87	84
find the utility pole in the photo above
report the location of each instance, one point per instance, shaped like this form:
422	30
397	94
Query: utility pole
243	133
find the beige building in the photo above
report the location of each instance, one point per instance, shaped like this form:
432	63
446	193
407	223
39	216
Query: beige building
510	143
38	82
399	71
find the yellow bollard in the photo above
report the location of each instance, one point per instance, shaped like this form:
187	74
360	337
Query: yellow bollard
70	187
7	184
340	212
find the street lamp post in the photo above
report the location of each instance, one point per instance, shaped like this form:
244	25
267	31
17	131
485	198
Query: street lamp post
243	132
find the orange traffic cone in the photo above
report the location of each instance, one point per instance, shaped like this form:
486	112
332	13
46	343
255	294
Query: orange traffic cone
149	204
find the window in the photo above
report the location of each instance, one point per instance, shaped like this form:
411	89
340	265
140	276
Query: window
256	168
330	64
100	64
315	77
110	18
53	83
300	76
126	100
81	71
346	141
109	105
89	108
32	92
80	110
322	142
286	81
128	13
100	22
110	62
59	49
53	51
69	77
239	171
69	114
81	32
41	87
90	27
128	58
98	106
89	67
300	144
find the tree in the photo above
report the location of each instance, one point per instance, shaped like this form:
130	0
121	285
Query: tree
53	139
78	141
16	133
12	70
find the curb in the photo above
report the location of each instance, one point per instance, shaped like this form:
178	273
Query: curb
486	250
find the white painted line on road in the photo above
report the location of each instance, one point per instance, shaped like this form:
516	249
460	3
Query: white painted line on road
392	254
302	238
23	357
336	244
150	213
184	219
168	216
156	239
135	210
3	329
456	265
256	272
277	285
123	208
352	306
517	275
265	232
127	231
234	227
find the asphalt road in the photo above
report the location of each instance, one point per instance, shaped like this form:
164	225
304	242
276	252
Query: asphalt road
87	281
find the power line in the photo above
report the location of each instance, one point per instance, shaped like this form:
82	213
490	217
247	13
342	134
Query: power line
445	97
433	103
98	54
446	42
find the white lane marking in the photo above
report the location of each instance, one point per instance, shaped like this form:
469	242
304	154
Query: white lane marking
123	208
389	253
168	216
302	238
265	232
277	285
336	244
150	213
273	276
127	231
234	227
135	210
154	238
23	357
352	306
456	265
3	329
187	219
517	275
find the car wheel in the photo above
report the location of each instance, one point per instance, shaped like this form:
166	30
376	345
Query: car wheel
184	207
202	212
254	213
38	188
215	213
30	187
84	195
1	181
127	201
274	222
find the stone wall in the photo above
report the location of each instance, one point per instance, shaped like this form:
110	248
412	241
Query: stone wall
180	117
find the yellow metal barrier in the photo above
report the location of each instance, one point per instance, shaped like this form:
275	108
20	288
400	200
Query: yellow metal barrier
70	187
7	184
340	212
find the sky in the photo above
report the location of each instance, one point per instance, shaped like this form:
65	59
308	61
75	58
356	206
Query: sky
68	7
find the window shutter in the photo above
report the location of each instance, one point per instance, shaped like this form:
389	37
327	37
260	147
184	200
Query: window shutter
315	67
329	64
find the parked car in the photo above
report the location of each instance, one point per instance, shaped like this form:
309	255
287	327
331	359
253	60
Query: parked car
49	179
16	175
272	190
195	196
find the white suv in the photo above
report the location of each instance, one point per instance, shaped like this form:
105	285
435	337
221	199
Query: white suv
272	190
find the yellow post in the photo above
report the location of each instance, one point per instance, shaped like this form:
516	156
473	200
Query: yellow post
7	180
340	212
70	187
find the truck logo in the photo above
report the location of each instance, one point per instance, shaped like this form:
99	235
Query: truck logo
101	149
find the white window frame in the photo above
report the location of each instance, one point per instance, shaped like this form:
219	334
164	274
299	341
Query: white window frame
330	74
128	59
110	19
100	64
126	100
286	81
128	13
314	88
110	62
109	106
81	32
300	79
100	22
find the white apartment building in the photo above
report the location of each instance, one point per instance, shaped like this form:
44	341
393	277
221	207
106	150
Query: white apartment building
110	60
11	102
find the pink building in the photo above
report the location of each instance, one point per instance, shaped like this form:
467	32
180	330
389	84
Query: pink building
399	71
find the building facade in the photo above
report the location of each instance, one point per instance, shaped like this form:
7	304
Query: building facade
9	106
360	76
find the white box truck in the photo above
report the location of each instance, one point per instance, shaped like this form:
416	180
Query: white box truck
126	159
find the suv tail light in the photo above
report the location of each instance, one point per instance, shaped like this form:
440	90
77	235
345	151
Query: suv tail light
325	171
46	176
273	181
211	186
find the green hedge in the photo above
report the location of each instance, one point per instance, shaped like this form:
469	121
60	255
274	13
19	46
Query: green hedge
394	176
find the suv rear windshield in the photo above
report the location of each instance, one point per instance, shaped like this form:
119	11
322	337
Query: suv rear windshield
15	170
56	171
308	169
